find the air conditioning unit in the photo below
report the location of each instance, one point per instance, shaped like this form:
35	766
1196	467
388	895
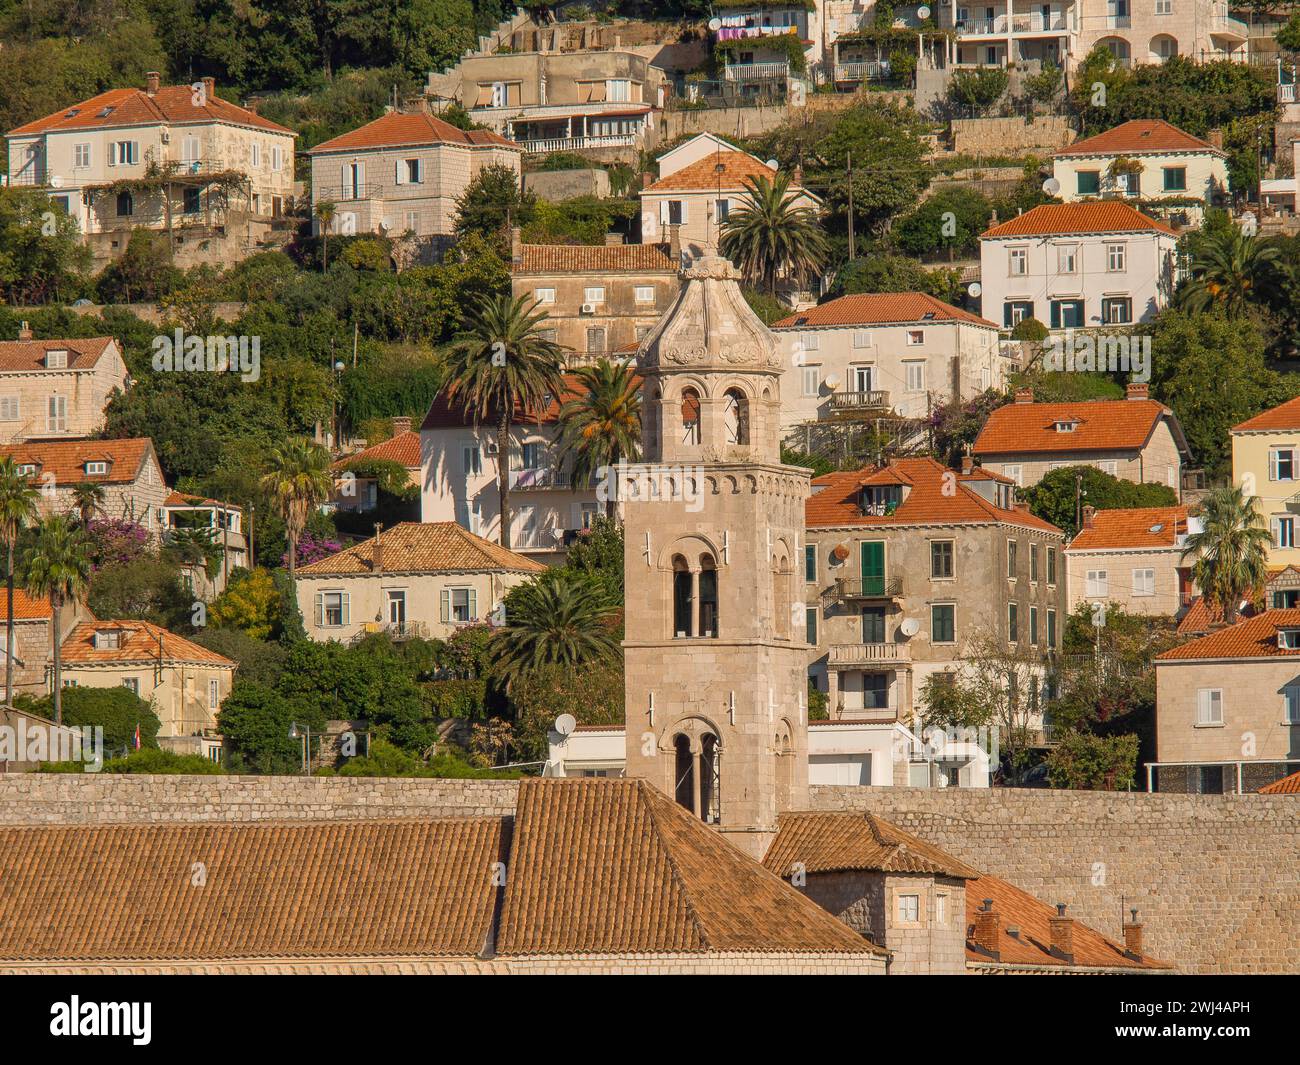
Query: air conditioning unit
588	308
491	447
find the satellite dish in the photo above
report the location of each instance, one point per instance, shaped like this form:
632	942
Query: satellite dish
909	627
565	724
772	164
386	224
840	553
923	12
832	382
56	181
1051	186
715	24
558	534
974	289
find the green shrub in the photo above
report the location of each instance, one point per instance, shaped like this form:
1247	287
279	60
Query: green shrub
1030	329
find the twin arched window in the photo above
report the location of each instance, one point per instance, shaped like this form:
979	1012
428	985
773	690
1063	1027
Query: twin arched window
735	416
697	776
695	598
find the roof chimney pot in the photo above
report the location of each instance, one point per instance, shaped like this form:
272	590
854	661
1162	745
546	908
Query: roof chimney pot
24	332
1136	391
1062	935
152	80
1133	936
987	924
1024	395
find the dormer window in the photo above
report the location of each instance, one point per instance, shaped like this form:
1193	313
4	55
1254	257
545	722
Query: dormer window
1066	426
27	469
881	500
96	469
56	359
108	639
1288	639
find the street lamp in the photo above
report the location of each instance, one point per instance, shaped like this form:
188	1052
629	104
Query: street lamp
338	371
305	735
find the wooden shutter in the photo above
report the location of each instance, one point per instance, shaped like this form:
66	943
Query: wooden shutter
397	175
346	607
320	609
444	605
473	604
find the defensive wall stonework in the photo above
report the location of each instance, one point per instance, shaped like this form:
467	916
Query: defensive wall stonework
1215	878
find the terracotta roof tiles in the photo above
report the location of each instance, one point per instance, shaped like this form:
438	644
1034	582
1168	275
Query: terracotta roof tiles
1100	425
404	449
1284	416
595	259
1254	637
66	459
1137	528
399	128
1088	217
26	607
1286	786
28	356
835	842
1138	137
880	308
171	104
702	175
429	547
141	641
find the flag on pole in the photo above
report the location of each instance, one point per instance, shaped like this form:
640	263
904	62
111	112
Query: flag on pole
137	735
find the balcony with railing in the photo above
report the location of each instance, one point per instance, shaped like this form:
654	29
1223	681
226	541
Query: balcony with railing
851	589
1286	94
540	478
358	190
866	655
1227	26
859	402
545	145
397	630
757	71
1027	23
862	71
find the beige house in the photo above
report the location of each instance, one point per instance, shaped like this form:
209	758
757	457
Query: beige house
1228	708
1266	464
459	462
1146	159
421	580
127	470
698	194
57	388
33	620
354	490
231	170
903	566
598	301
1135	439
605	101
1132	559
401	175
183	682
222	523
900	352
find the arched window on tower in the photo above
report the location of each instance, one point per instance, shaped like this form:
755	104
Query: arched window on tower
735	417
684	773
690	417
683	599
708	597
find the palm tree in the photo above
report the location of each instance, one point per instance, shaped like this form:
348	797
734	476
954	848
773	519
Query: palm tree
325	210
772	236
602	426
18	509
560	619
88	498
299	481
1228	270
58	566
1232	550
501	366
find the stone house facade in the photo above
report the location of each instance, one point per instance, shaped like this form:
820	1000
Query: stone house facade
57	388
1132	559
1266	464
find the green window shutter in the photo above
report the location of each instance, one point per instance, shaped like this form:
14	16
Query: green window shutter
346	597
873	567
444	598
473	604
320	610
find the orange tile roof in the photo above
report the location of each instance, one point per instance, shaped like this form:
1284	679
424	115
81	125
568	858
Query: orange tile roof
273	890
1138	528
1139	136
595	259
430	547
28	356
1102	425
1283	416
185	499
404	449
836	496
1093	216
398	128
171	104
445	414
67	459
836	842
26	607
1286	786
140	643
701	175
608	865
881	308
1032	946
1254	637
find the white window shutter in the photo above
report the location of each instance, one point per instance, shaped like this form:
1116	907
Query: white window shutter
663	212
444	605
473	604
347	608
397	176
112	153
320	610
685	213
345	179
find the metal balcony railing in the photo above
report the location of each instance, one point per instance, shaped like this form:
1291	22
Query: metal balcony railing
540	478
341	193
846	589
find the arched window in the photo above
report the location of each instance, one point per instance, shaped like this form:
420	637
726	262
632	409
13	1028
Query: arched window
684	773
1118	47
1163	48
690	417
735	416
683	599
710	779
708	597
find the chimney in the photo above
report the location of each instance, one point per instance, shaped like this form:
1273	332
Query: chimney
1089	513
1024	395
379	549
24	332
252	104
1133	937
1136	391
987	923
675	244
151	82
1215	137
209	88
516	246
1062	934
613	240
967	465
401	424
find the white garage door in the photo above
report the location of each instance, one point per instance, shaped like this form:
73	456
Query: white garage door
839	769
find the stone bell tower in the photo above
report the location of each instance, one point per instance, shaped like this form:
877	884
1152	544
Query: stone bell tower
716	651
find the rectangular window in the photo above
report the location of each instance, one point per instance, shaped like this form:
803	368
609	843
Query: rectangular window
332	609
214	695
862	338
1018	261
472	461
915	337
9	408
1116	259
1016	311
943	623
1051	628
57	421
941	559
414	172
644	294
596	340
810	341
1067	259
722	210
544	295
531	455
1281	464
1175	178
1209	706
1051	565
1067	314
458	605
674	212
1284	532
812	381
131	684
1144	582
1013	623
1291	704
1164	7
1015	473
1097	584
810	563
1117	310
873	624
96	469
81	156
277	157
191	201
1033	626
1089	182
810	625
1011	559
123	153
875	691
909	909
1033	562
255	154
915	376
593	295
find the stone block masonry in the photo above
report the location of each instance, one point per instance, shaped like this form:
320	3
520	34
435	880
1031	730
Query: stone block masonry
72	799
1215	878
